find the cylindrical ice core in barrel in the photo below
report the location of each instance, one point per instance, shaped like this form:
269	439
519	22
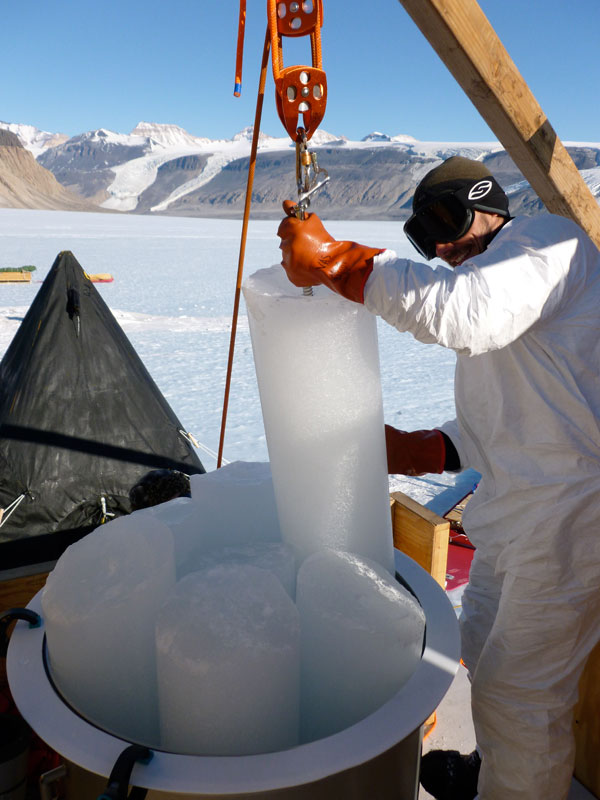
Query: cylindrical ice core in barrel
100	604
317	365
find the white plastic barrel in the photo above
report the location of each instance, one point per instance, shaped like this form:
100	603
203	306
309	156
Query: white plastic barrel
377	757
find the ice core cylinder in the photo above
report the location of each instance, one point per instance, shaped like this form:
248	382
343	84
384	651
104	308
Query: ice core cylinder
317	365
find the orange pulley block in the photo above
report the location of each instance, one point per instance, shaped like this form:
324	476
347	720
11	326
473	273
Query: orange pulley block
300	91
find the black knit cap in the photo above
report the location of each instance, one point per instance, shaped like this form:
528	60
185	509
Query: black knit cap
470	180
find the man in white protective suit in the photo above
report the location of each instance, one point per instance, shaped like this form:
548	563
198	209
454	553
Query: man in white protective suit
521	309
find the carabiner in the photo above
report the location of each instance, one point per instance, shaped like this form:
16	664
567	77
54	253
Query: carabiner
309	176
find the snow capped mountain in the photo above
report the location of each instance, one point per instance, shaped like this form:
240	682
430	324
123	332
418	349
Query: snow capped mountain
320	137
167	135
33	139
135	176
376	136
246	134
162	168
106	138
404	139
24	183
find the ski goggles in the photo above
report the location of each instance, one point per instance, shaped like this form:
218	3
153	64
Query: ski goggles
444	219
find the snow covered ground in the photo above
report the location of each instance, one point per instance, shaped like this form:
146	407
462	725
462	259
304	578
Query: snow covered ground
173	291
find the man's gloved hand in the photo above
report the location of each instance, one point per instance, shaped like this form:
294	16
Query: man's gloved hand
414	453
312	257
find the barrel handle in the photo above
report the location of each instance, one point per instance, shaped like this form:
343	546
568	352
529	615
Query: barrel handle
8	617
118	782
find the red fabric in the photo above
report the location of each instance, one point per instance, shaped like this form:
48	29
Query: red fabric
459	564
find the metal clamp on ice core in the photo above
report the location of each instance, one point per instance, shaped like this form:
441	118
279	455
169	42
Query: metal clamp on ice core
309	179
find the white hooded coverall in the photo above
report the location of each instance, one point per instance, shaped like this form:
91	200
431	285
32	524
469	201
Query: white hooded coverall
524	320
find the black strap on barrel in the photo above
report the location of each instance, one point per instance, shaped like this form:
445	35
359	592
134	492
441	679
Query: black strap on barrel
8	617
118	781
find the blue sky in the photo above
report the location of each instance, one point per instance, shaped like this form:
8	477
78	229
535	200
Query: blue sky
75	65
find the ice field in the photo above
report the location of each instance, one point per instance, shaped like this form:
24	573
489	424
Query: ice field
173	290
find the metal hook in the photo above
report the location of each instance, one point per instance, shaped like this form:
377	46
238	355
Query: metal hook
309	176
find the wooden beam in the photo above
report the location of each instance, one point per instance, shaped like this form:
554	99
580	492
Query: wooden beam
462	36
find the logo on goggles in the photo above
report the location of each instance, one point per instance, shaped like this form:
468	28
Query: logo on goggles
480	190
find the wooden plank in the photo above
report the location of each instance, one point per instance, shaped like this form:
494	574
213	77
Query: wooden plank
15	277
17	592
462	36
421	534
587	726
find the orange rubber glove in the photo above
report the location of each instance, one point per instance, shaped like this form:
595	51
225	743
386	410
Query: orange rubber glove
414	453
312	257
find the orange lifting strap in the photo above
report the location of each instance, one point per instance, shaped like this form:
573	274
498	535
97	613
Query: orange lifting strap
237	89
300	91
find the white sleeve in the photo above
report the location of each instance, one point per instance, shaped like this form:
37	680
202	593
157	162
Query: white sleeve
451	430
476	307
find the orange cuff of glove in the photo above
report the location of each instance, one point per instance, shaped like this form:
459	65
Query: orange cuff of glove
345	267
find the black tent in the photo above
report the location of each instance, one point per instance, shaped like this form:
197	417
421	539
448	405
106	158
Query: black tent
81	421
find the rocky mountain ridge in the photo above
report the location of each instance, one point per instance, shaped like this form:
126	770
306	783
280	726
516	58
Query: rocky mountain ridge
26	184
163	169
33	139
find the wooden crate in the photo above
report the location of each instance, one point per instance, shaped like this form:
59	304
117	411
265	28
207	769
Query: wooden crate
420	534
